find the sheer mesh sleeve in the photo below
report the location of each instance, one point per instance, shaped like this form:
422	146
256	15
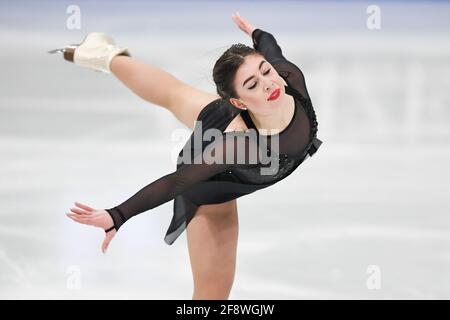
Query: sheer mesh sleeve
231	149
265	43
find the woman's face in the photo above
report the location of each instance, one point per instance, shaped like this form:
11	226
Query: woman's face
254	83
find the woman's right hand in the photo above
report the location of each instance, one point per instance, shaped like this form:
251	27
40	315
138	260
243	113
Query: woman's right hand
243	24
94	217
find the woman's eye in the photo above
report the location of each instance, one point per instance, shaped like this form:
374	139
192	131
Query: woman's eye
267	72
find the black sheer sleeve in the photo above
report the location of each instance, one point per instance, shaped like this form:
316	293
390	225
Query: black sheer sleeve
231	149
265	43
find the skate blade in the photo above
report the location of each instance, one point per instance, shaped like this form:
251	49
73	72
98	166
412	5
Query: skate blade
62	50
56	51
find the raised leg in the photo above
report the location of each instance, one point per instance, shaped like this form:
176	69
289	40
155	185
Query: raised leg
161	88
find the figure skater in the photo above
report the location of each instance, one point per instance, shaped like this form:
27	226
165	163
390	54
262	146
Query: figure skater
258	91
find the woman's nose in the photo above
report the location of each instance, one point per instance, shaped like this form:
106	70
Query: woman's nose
268	86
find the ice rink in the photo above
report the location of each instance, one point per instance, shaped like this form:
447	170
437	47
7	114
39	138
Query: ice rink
371	206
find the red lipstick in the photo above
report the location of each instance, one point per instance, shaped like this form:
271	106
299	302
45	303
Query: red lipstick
275	94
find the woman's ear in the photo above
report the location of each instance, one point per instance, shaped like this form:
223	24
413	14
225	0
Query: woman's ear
238	103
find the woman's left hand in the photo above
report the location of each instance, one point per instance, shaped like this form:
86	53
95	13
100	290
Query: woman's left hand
243	24
94	217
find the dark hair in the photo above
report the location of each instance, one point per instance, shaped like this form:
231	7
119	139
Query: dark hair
226	67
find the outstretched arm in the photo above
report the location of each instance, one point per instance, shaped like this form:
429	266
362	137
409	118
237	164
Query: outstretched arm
217	157
233	149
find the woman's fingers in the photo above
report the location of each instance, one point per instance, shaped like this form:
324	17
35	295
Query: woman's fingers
97	219
84	207
240	25
75	217
107	240
79	211
105	243
243	24
80	219
236	19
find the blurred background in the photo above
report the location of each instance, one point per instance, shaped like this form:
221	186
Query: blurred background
367	217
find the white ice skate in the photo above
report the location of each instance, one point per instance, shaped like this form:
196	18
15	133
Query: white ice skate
96	52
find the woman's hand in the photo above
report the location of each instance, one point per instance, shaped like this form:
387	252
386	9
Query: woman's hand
243	24
93	217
